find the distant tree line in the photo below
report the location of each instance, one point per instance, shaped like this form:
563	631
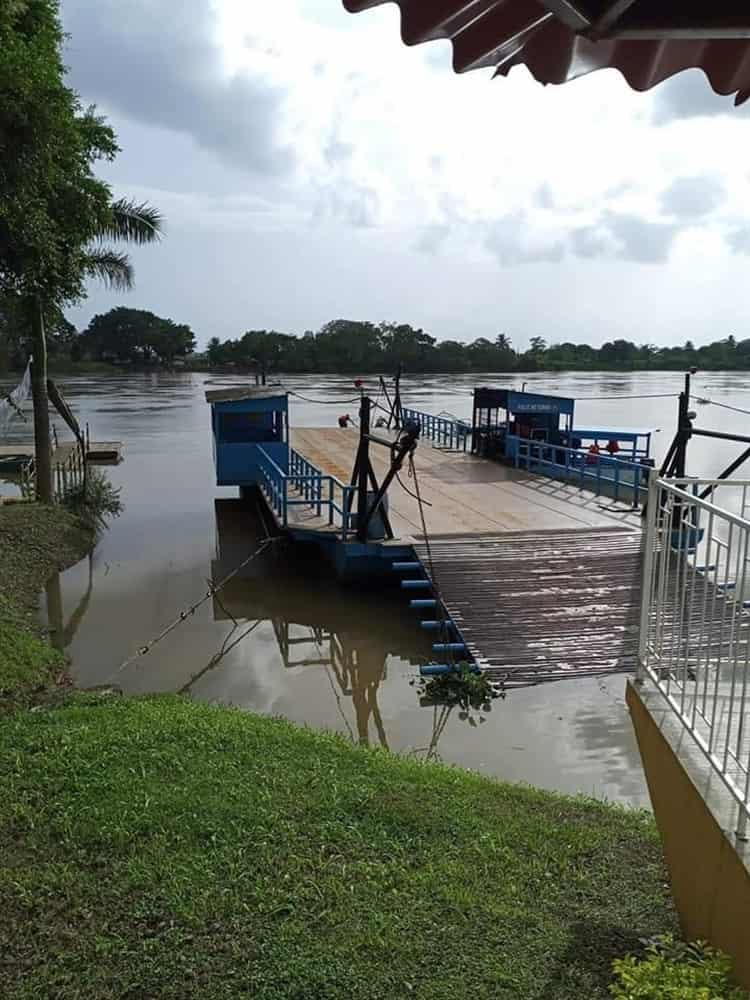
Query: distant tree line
136	337
352	346
121	336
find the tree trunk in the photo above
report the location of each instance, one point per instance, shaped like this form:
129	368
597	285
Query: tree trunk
43	458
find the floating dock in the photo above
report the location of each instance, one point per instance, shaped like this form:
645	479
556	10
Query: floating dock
513	570
97	453
536	605
466	495
537	578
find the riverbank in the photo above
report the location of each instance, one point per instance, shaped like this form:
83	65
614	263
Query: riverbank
35	541
163	848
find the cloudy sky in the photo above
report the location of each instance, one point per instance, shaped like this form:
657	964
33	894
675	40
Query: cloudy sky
311	167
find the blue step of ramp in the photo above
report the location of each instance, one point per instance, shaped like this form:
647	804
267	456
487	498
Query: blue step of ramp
449	647
434	625
423	602
415	585
407	567
436	669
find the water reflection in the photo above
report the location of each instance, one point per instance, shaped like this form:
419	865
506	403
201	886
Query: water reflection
303	647
622	770
315	622
62	633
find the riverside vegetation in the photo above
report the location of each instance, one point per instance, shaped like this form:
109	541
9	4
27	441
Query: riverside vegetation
137	337
164	848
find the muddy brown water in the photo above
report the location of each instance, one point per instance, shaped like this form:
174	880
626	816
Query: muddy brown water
286	639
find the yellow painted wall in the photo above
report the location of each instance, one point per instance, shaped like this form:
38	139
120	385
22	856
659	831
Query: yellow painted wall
710	883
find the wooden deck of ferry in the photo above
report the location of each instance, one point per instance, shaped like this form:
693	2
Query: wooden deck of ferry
538	578
466	495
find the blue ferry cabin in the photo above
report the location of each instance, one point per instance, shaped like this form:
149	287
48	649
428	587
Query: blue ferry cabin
537	432
504	417
244	421
505	420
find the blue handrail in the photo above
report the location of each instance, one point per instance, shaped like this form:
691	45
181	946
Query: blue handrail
304	486
602	472
444	431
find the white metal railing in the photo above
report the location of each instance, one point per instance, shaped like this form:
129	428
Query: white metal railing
694	644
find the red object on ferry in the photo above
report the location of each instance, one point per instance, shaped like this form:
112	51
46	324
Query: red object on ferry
358	383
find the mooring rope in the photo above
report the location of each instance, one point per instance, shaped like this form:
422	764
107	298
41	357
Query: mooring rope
226	647
433	576
324	402
648	395
725	406
411	493
213	589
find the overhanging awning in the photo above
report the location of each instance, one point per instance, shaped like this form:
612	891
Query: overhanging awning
560	40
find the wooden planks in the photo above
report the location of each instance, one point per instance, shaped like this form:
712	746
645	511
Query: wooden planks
540	606
537	606
467	495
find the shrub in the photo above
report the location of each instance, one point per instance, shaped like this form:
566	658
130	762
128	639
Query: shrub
464	687
99	501
674	970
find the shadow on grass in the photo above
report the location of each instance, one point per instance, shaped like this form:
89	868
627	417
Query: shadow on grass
587	962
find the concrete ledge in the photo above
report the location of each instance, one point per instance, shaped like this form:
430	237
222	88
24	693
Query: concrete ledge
697	819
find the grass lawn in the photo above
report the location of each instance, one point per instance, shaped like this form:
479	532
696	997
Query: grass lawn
160	848
35	540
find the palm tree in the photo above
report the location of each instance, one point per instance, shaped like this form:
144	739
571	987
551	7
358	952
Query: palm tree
129	222
503	343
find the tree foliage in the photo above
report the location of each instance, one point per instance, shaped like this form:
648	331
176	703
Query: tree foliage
136	336
51	205
356	346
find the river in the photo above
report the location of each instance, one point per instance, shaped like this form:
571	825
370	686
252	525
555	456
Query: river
321	654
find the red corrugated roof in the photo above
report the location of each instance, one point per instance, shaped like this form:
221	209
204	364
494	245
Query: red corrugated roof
559	40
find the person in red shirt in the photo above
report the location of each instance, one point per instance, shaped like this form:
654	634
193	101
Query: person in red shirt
593	454
613	447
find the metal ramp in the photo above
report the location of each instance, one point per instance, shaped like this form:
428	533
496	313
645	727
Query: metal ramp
535	606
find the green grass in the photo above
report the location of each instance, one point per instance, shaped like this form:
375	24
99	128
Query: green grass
35	541
160	848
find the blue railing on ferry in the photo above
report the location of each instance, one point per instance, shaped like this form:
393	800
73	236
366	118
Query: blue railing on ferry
304	486
444	431
606	474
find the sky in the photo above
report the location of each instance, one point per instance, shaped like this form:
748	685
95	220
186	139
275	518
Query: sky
312	167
